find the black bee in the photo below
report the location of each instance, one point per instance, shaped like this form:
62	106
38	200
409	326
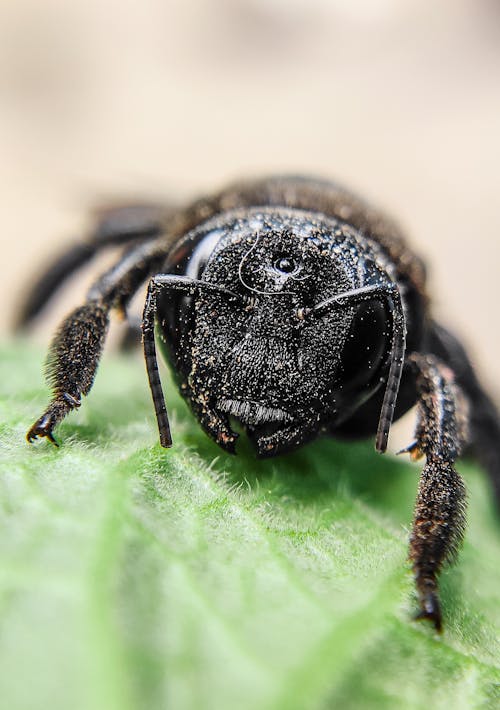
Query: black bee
296	309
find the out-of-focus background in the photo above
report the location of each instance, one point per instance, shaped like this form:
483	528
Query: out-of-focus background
399	99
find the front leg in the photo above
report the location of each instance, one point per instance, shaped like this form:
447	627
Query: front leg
71	364
439	522
77	345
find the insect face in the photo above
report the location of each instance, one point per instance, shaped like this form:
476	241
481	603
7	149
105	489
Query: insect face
257	357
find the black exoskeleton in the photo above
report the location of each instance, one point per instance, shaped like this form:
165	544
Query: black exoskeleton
291	306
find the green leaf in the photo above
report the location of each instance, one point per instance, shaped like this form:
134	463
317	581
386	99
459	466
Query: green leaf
133	577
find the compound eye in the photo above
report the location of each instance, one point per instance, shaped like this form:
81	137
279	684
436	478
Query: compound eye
286	265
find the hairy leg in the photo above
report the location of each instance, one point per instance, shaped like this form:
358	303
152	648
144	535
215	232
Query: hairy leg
439	522
71	364
77	345
484	418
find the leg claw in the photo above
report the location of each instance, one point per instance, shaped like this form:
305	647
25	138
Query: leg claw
431	610
42	428
413	449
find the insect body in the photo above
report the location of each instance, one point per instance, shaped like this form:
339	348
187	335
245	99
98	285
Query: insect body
291	307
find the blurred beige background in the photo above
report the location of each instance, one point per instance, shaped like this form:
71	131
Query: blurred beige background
399	99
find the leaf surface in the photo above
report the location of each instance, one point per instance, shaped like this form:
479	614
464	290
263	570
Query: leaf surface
133	577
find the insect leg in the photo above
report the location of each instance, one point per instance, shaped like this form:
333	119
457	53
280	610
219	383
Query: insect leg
439	519
115	227
77	345
484	418
71	364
